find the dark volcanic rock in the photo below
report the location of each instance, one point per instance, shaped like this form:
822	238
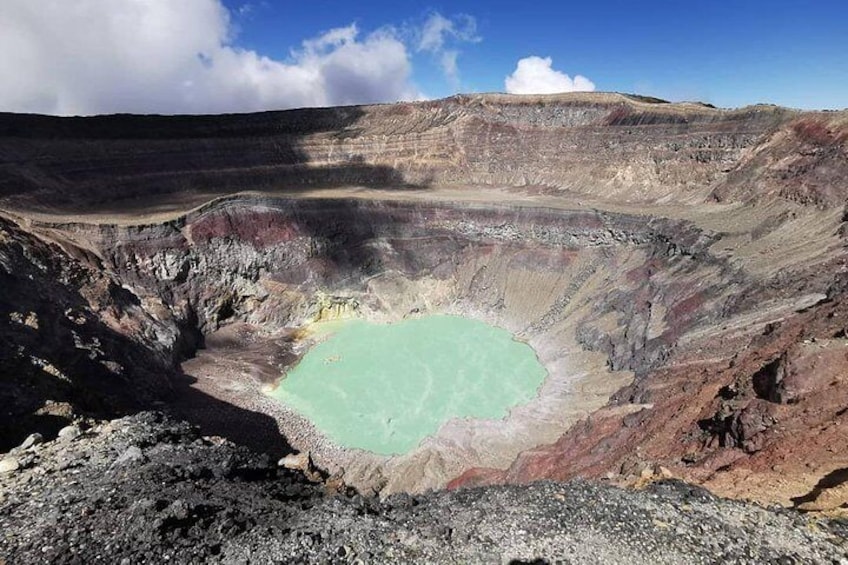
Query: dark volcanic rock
198	500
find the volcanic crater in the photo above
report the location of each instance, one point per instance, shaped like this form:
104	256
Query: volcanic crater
677	269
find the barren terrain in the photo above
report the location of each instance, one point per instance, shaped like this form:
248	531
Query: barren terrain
680	271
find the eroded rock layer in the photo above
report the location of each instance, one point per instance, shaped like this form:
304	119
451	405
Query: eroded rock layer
598	145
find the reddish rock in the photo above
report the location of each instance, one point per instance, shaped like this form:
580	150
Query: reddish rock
713	427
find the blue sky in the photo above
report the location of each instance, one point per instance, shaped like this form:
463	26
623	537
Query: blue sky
97	56
730	53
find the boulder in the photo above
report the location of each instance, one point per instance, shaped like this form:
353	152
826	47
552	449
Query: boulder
69	432
9	465
131	456
302	462
30	441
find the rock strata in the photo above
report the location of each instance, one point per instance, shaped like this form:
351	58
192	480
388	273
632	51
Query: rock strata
678	269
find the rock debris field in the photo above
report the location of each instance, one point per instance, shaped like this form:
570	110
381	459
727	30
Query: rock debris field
148	489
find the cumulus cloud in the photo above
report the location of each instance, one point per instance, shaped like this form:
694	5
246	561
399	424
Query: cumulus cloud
439	36
536	75
102	56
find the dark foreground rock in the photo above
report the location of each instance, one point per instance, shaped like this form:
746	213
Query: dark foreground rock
148	489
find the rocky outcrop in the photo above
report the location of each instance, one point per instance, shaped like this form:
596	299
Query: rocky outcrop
74	339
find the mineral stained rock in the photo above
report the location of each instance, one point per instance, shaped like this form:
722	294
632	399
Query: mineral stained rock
680	271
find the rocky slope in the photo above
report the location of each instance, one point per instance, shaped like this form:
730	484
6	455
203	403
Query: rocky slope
146	489
74	340
679	270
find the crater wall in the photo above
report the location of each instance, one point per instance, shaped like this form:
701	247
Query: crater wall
598	146
599	295
658	257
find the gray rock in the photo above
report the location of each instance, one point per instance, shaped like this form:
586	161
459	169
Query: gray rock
131	456
31	440
180	508
9	465
70	432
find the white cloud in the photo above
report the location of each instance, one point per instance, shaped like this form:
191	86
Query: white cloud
433	33
438	29
449	64
536	75
102	56
438	32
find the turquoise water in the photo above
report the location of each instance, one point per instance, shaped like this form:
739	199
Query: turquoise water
385	387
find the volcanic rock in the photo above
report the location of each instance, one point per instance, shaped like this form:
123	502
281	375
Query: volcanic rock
133	455
30	441
69	433
178	506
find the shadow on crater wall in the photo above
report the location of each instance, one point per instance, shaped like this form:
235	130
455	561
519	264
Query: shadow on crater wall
58	352
71	164
833	479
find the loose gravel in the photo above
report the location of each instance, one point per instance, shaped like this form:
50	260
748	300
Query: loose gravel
150	489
